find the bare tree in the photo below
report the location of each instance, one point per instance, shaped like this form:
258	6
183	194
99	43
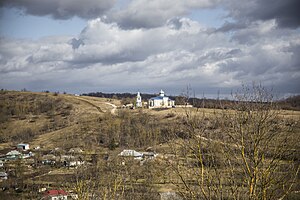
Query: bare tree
264	144
244	153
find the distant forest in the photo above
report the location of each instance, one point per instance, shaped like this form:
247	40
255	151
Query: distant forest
121	95
290	103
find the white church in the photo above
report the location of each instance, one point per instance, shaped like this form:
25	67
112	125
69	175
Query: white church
139	103
161	101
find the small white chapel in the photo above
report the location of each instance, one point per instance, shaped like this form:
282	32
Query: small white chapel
161	101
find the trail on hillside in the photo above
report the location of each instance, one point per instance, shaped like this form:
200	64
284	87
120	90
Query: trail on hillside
113	111
92	104
102	109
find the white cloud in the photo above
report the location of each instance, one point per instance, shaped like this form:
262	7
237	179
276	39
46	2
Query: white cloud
109	58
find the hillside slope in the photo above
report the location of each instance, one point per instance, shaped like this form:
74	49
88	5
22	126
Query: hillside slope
46	119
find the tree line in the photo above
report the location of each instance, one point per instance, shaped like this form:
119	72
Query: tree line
289	103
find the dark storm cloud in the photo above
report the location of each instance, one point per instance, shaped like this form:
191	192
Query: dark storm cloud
285	12
155	13
294	49
149	14
230	26
62	9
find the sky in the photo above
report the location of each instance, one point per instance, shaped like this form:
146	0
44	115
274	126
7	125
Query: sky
214	46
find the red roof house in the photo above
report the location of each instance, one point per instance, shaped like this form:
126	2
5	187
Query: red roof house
56	195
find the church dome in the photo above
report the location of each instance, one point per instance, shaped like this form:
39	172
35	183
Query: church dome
161	93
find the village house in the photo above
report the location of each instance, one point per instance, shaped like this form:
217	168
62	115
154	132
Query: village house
55	195
3	175
138	155
13	155
149	155
27	155
161	101
48	162
49	159
71	161
23	146
131	153
76	150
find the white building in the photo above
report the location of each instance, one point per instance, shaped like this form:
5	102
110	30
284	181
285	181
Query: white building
161	101
12	155
23	146
3	175
131	153
139	103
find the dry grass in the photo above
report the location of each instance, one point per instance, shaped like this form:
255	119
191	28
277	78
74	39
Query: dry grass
85	110
81	128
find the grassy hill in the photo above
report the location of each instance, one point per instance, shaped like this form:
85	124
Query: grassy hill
60	120
46	119
191	143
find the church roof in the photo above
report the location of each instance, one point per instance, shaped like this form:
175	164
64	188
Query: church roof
160	98
157	98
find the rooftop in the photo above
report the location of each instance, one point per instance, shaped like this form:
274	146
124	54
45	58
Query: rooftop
13	152
55	192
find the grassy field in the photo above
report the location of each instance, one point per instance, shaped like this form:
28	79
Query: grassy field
100	127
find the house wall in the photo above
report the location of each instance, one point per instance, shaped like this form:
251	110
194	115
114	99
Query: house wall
161	103
23	146
60	197
165	102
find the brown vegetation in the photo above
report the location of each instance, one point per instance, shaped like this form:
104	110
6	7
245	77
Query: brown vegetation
249	151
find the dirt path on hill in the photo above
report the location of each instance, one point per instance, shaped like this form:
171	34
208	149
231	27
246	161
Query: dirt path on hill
101	110
113	111
92	104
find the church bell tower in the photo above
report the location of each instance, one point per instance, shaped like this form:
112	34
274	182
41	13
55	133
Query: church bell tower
139	100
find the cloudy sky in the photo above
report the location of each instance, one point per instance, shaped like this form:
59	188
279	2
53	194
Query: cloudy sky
147	45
